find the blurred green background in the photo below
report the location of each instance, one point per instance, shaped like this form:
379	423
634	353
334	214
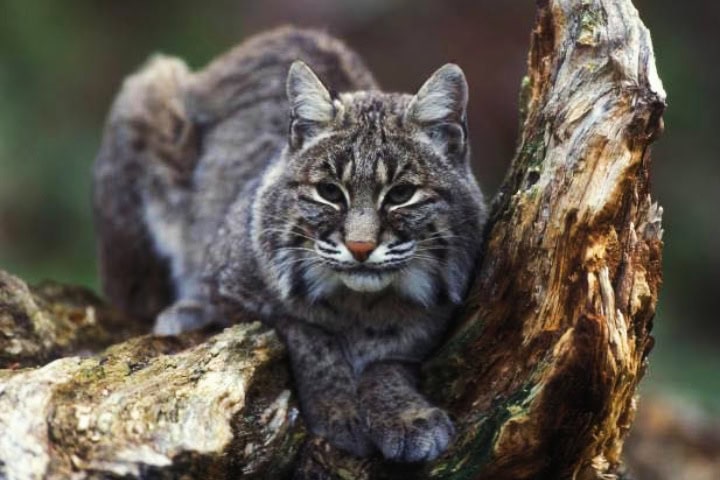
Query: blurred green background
62	62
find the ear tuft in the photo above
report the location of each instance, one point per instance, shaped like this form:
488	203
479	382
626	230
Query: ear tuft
439	108
311	106
309	99
442	98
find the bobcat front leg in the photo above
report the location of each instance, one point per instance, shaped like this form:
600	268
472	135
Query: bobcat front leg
327	387
401	422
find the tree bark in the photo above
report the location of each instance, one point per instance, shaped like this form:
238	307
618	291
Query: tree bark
540	374
50	320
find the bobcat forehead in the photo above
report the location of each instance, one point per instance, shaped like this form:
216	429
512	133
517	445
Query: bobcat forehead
353	162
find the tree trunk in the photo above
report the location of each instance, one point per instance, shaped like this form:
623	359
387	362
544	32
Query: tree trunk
540	373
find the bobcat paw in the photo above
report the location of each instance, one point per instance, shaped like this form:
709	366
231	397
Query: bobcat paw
342	426
413	435
180	317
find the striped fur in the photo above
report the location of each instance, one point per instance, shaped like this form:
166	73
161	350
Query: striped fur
296	162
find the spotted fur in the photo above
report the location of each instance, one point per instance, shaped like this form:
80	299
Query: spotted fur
346	217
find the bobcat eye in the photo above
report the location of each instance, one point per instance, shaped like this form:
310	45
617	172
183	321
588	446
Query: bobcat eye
400	194
330	192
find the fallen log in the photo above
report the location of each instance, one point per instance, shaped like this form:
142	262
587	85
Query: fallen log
49	320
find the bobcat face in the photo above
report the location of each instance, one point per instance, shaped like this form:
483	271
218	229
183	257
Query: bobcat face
372	208
378	192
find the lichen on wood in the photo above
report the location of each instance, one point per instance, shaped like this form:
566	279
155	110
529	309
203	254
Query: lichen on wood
49	320
153	405
540	373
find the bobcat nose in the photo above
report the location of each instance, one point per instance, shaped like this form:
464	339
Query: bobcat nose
361	250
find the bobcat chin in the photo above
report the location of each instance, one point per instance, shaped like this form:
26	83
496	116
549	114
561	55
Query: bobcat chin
283	182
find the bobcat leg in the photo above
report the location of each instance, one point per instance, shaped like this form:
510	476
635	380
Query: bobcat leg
401	422
327	388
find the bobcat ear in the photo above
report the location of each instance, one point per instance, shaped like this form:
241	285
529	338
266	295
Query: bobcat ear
311	106
439	108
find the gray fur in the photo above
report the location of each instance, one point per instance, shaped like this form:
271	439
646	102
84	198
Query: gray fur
233	196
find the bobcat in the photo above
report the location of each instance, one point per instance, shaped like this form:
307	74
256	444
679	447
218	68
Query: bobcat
347	218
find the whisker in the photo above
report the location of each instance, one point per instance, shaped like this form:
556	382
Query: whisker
286	232
435	260
436	236
309	260
279	218
304	249
449	228
449	242
444	248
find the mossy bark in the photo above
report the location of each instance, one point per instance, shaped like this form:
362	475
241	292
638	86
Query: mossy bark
540	374
48	321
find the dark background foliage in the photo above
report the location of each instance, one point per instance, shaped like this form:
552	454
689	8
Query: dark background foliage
61	63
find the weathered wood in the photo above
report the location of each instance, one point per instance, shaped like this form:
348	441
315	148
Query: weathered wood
160	407
541	372
47	321
544	370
